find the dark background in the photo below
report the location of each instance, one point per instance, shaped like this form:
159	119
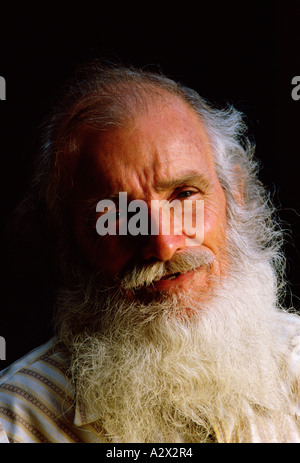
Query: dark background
244	54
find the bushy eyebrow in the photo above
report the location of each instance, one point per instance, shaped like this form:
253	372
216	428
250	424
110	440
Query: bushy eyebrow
188	178
91	203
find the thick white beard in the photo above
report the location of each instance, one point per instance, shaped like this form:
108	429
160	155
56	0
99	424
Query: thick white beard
167	377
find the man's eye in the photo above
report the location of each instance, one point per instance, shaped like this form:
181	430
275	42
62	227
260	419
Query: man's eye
113	215
186	193
117	215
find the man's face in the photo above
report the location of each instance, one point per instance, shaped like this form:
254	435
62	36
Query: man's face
163	155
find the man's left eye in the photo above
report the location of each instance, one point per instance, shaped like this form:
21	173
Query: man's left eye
186	193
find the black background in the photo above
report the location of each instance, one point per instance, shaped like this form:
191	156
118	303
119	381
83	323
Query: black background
244	54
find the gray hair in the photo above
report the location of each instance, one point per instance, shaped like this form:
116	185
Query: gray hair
99	97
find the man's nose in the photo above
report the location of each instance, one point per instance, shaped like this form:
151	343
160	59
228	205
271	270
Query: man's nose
161	243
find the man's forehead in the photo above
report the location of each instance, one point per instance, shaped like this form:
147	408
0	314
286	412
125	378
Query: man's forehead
157	147
157	120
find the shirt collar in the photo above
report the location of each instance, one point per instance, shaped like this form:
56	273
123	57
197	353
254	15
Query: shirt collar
83	415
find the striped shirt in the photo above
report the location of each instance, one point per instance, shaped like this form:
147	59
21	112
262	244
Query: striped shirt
38	404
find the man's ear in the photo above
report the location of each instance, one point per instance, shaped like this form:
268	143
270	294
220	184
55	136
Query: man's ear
238	185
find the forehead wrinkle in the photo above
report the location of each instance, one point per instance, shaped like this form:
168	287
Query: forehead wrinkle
167	175
137	185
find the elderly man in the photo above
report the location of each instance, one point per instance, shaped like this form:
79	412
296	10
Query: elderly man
159	336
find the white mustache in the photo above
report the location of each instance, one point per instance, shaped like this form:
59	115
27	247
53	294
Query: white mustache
145	274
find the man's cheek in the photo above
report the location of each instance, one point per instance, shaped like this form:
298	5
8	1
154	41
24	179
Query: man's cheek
211	221
110	254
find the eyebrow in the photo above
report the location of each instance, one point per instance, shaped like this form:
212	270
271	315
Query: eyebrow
91	203
188	178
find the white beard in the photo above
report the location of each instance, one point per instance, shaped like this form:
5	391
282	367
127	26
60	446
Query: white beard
152	374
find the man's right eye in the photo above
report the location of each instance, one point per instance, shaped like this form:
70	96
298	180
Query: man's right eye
113	215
